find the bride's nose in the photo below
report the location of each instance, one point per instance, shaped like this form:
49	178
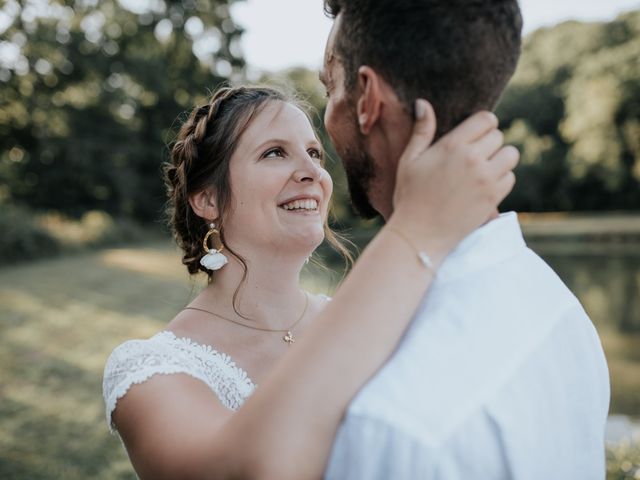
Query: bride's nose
307	170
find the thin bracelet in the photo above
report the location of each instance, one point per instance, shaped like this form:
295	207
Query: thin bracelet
422	255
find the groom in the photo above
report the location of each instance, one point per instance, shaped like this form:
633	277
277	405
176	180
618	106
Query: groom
501	374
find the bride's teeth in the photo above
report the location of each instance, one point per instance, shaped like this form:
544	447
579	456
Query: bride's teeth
310	204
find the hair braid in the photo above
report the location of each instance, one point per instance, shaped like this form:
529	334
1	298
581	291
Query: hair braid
186	225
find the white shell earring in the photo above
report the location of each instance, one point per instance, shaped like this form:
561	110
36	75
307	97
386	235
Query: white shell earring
214	259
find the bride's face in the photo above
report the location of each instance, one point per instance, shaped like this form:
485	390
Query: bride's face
280	189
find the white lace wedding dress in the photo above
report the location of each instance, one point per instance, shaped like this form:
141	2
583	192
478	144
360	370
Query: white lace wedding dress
135	361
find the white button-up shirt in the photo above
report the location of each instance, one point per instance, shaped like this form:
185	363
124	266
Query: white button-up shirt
500	376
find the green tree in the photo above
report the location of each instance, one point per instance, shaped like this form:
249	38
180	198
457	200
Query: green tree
92	91
573	107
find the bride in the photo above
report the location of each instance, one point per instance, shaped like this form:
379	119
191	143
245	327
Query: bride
252	378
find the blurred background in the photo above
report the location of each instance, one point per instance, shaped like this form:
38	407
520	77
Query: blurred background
91	93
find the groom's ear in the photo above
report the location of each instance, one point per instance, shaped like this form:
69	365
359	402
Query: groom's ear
370	101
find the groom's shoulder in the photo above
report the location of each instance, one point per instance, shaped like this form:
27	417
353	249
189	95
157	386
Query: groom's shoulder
472	337
496	261
519	287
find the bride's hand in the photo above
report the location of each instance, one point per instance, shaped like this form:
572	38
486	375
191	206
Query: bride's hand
446	190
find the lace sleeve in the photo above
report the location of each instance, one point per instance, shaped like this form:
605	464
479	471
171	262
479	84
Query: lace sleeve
136	361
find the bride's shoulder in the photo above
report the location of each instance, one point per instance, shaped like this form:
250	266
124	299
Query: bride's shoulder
155	344
165	353
162	346
134	346
138	355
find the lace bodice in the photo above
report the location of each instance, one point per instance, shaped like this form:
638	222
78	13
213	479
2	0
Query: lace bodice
135	361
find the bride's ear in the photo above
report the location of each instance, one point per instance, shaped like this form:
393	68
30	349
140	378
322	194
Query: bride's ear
369	104
204	204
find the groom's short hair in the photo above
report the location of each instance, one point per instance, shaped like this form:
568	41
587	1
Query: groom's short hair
458	54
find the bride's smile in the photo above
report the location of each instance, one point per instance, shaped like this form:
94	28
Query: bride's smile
302	204
280	189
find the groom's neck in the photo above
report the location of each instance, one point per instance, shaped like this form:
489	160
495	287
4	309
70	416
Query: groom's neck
386	144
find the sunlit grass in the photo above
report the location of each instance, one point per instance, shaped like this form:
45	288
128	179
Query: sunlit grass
60	318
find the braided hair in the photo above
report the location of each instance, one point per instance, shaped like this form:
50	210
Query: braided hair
200	158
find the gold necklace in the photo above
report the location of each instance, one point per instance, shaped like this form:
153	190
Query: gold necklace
288	338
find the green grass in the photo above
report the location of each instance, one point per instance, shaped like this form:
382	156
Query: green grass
59	320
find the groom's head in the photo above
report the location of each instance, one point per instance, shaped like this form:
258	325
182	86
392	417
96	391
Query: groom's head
384	54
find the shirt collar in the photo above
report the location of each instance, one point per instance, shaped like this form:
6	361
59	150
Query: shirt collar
494	242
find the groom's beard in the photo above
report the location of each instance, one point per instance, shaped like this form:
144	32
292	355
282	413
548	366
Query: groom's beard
360	170
358	165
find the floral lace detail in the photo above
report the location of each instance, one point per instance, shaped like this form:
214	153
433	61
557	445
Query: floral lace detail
135	361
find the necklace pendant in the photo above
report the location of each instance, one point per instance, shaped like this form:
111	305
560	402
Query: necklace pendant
288	338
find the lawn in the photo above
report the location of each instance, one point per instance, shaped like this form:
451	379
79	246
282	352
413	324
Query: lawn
59	319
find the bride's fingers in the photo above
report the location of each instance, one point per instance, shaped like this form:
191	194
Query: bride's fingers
489	143
474	127
424	130
504	161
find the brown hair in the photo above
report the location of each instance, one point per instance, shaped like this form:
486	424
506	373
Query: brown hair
200	157
457	54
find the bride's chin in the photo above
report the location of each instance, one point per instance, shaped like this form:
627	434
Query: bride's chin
306	243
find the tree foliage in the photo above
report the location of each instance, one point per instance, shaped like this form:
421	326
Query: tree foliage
573	108
90	91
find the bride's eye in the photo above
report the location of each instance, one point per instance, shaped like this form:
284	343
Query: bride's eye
273	152
315	153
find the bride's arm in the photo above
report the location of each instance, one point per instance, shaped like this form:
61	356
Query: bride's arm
292	421
285	430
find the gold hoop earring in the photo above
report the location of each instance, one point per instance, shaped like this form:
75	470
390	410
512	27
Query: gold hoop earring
214	259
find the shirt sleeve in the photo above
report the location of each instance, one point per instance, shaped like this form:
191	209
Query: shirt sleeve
369	447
